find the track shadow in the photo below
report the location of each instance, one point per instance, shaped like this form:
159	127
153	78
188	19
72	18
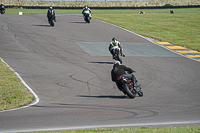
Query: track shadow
43	25
108	96
101	62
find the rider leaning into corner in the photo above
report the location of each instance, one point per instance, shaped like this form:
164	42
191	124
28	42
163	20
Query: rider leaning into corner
86	8
120	70
115	43
49	12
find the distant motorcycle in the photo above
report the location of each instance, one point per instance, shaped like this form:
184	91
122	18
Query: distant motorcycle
129	88
141	12
87	16
117	53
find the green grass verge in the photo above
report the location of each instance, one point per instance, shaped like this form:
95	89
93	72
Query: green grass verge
13	93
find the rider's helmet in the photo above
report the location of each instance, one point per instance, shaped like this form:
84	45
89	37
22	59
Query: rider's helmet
85	7
117	62
51	8
114	39
1	3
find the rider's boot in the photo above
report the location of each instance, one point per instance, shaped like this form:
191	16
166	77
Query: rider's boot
123	55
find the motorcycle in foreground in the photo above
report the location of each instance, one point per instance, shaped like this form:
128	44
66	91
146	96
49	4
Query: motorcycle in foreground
117	53
129	89
87	16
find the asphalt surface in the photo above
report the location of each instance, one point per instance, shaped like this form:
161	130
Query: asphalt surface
68	67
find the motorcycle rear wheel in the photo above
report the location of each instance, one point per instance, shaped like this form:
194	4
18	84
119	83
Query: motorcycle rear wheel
129	91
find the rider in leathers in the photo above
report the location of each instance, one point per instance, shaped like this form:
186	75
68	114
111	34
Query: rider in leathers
85	9
115	43
2	7
51	11
120	70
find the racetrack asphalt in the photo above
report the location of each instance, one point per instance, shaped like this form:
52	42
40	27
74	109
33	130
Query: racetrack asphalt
68	67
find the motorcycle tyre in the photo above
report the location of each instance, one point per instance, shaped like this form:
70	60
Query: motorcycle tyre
130	94
51	23
119	58
2	11
140	93
87	19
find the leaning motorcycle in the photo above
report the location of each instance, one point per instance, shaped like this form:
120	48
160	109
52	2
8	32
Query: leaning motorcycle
87	16
129	89
117	54
51	20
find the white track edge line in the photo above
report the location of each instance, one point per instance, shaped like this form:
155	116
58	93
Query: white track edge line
36	100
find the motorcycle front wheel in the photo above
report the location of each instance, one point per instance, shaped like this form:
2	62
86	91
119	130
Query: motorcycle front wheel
119	58
51	23
140	92
87	19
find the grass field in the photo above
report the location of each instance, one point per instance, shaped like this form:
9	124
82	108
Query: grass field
181	28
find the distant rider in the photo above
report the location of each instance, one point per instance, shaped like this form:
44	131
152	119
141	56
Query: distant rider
51	11
121	71
2	7
86	8
115	43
